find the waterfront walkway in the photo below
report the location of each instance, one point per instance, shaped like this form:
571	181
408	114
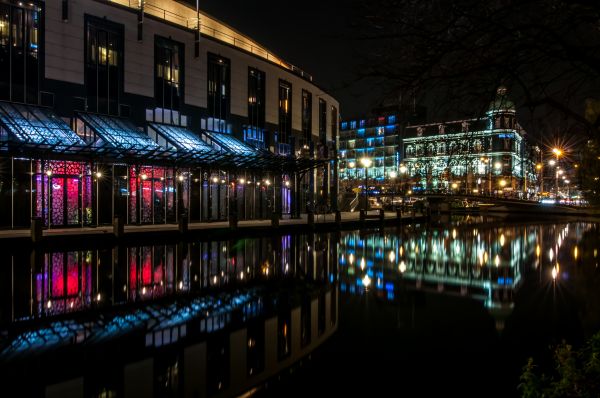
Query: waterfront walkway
348	219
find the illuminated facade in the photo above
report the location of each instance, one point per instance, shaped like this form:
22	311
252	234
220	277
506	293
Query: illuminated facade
488	155
377	139
152	112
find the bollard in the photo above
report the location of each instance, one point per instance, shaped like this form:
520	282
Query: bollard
311	219
183	225
275	219
36	229
233	221
338	218
118	227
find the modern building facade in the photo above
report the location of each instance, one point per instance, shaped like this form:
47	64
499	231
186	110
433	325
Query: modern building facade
152	111
487	155
377	139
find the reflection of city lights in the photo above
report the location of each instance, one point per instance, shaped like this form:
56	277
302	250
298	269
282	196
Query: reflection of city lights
485	257
144	290
554	273
551	254
362	263
49	304
402	250
366	281
454	234
538	250
497	261
402	266
502	241
392	256
351	259
180	285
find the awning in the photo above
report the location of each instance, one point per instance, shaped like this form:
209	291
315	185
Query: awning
36	125
118	133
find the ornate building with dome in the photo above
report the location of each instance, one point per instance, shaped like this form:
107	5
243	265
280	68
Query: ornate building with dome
486	155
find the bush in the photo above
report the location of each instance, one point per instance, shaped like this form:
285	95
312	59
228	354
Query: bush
575	373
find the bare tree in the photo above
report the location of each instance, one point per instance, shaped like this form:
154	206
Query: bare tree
458	52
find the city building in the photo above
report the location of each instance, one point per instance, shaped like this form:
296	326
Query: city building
487	155
368	150
152	111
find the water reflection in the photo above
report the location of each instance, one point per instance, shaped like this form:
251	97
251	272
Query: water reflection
483	262
216	318
200	318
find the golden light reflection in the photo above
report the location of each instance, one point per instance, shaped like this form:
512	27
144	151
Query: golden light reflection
575	252
402	266
502	240
351	258
362	263
538	250
366	281
554	273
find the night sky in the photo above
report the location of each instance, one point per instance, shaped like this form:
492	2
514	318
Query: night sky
313	35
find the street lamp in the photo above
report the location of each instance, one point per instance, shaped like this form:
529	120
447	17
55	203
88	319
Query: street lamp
366	162
393	176
558	152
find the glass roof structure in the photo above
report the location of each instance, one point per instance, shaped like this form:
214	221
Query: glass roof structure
181	138
229	143
119	133
36	125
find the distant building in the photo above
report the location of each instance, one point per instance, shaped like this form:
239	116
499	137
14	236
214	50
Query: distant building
377	139
482	155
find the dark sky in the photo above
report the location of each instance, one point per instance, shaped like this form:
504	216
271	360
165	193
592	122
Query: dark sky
310	34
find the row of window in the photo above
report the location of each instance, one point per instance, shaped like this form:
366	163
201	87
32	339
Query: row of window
104	48
380	121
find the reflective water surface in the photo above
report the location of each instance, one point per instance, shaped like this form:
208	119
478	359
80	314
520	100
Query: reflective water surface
453	307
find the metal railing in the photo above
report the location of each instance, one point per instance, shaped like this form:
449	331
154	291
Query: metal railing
191	22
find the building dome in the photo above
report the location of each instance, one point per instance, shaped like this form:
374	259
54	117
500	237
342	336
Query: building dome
501	102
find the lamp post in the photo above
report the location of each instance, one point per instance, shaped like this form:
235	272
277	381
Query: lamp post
366	162
539	167
403	171
558	152
98	176
393	176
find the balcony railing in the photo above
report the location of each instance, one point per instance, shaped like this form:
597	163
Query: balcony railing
183	15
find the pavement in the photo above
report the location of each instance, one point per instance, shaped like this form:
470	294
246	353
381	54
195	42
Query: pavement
323	219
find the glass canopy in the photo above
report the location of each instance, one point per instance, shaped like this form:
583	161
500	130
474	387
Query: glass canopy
119	133
181	138
228	143
36	125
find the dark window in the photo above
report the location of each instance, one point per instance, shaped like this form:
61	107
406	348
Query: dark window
168	77
256	98
219	87
306	115
285	111
19	60
322	120
103	66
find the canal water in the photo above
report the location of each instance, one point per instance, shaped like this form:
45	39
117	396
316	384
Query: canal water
454	307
